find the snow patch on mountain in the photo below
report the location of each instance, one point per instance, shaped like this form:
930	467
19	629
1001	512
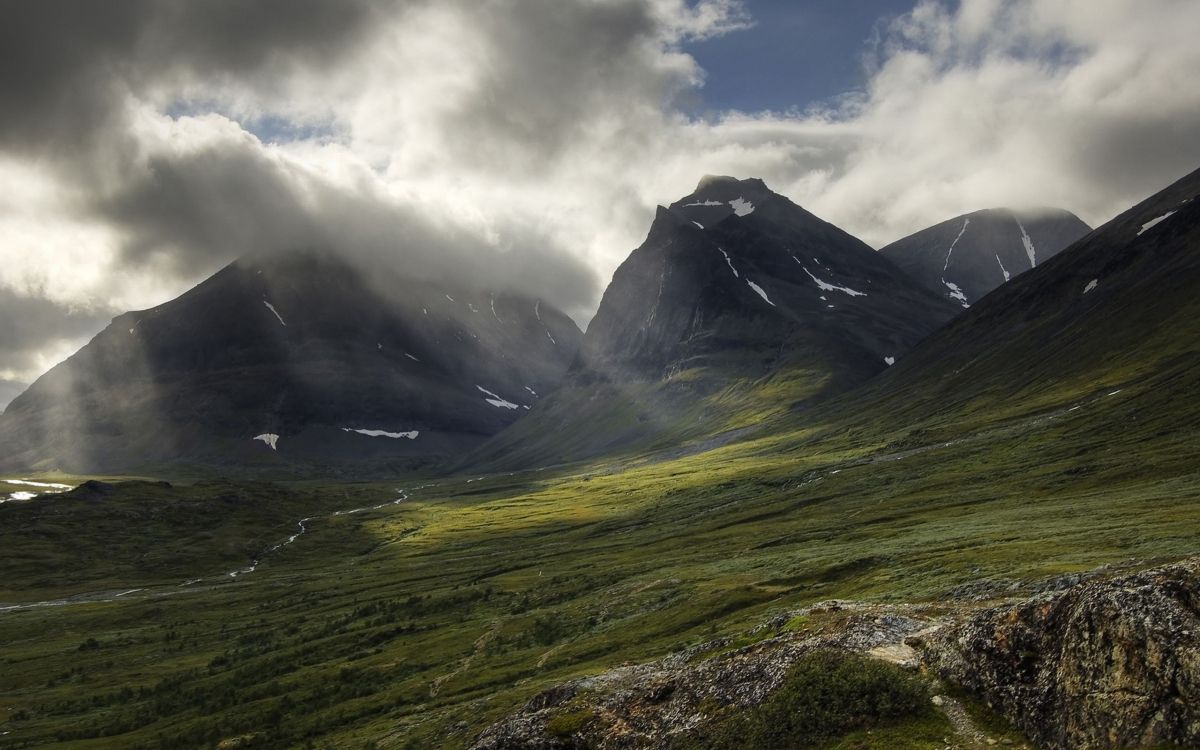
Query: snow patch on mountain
269	307
889	361
736	275
825	286
703	203
270	439
410	435
1091	285
961	232
760	292
956	292
1155	222
1003	270
741	206
496	400
1028	243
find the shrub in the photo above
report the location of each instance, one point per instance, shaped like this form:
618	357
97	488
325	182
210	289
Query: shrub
826	694
568	724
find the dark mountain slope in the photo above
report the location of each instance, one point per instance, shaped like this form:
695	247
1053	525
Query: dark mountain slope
304	347
968	256
1116	313
735	267
738	303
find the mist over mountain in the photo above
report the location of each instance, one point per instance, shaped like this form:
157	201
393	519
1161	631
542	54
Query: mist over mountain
734	286
299	360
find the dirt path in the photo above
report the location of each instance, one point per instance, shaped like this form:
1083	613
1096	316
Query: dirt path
968	735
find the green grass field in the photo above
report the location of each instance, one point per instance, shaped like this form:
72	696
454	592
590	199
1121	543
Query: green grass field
417	624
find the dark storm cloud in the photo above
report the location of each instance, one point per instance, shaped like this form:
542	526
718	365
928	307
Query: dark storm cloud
184	214
187	214
551	68
75	68
30	325
27	320
68	65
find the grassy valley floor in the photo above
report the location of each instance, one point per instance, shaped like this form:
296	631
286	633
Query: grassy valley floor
416	624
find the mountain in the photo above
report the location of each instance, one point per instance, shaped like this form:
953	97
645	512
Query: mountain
970	255
299	358
737	301
734	268
1105	330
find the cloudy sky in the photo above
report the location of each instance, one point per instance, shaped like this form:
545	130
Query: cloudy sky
145	143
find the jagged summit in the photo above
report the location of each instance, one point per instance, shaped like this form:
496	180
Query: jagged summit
735	266
718	197
732	285
711	180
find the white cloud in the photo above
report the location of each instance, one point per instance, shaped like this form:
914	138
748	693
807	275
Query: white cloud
538	135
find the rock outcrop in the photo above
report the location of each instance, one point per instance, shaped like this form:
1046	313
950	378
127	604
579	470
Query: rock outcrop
647	705
1096	661
1109	663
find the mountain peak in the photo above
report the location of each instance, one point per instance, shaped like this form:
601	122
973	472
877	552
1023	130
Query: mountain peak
718	197
966	257
709	180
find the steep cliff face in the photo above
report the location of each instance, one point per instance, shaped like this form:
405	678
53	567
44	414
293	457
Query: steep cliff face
1107	664
737	279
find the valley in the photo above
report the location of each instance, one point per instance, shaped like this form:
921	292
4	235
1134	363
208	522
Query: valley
423	622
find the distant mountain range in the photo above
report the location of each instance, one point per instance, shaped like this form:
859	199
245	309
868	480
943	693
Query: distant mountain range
968	256
739	303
